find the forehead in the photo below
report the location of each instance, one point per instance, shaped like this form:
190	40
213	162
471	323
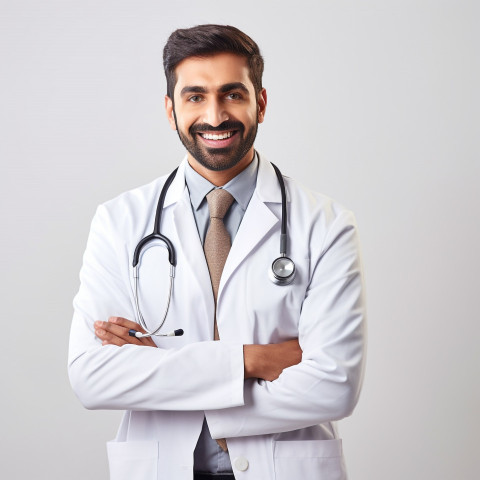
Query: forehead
213	71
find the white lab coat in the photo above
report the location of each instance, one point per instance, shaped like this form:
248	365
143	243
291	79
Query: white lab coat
275	430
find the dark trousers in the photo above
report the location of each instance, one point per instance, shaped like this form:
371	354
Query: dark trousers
212	476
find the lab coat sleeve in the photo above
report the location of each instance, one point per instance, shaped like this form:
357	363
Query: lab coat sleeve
325	385
198	376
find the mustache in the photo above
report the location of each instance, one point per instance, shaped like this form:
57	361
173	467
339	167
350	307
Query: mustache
227	125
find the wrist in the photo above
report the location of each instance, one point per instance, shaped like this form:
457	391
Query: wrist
254	361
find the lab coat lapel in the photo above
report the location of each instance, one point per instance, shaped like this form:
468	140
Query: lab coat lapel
190	244
189	241
257	222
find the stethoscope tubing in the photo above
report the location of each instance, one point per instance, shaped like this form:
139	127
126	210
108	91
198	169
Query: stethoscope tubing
283	226
282	271
156	235
137	303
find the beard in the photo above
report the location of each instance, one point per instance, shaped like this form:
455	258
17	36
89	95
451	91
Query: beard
218	159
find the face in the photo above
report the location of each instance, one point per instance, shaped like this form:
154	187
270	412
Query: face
216	111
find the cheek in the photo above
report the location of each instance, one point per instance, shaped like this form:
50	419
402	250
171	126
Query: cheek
183	124
249	117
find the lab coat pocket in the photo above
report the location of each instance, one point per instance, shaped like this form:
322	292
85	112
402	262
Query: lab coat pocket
129	460
309	460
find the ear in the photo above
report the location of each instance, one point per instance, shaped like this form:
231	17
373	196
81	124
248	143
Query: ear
170	113
262	105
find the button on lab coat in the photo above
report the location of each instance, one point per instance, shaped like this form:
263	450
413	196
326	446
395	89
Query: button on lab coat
277	430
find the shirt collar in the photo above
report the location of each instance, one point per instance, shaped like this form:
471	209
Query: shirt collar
240	187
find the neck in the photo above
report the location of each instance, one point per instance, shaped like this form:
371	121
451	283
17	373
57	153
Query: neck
222	177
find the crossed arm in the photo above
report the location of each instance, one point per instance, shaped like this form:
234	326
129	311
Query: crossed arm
260	361
323	387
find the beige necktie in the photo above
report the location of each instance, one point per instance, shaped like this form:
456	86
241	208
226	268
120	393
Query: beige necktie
217	240
217	245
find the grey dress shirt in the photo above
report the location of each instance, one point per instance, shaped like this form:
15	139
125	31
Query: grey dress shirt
208	456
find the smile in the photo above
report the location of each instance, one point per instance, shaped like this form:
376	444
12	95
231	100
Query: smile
220	136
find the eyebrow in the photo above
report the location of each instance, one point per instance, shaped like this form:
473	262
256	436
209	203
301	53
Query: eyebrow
228	87
192	89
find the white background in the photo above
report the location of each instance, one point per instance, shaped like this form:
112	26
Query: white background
375	103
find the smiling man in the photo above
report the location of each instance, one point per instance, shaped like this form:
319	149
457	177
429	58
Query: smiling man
270	353
216	109
216	119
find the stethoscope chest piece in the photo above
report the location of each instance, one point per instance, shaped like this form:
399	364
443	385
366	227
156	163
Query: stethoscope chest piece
282	271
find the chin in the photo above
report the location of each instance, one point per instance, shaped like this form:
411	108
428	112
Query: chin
217	165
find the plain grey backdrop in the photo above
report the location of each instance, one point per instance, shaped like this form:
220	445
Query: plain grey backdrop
375	103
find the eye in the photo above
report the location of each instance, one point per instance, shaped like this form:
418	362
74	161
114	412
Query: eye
234	96
195	98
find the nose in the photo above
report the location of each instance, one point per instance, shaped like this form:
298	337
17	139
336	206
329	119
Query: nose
214	113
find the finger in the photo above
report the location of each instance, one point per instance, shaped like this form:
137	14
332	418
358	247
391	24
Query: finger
129	325
107	331
118	331
109	338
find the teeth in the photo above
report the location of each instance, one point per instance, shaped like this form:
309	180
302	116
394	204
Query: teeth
222	136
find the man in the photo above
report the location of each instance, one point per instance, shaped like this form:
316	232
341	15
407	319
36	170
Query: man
263	368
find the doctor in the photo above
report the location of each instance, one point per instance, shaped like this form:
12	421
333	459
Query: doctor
260	403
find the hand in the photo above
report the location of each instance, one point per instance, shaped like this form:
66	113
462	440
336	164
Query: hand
269	361
115	332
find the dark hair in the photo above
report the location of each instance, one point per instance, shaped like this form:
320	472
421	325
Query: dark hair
207	40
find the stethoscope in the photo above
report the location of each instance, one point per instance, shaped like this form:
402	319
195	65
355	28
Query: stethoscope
282	271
